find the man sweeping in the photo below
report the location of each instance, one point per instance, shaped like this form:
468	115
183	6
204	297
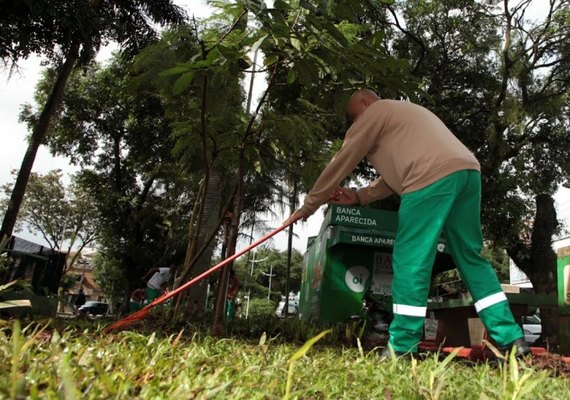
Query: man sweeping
439	182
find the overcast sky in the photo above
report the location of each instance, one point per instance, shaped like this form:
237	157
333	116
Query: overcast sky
19	89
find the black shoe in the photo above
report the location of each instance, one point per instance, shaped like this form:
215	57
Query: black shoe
389	354
522	349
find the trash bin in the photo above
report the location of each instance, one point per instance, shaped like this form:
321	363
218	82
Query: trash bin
351	255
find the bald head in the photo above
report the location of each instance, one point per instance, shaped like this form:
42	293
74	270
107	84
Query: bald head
359	102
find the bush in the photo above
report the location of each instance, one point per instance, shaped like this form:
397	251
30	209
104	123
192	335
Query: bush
261	308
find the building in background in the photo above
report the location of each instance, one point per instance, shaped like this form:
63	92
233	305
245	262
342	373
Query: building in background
82	273
518	278
37	266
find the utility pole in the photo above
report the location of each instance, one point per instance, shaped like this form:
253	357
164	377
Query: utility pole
270	275
292	207
253	261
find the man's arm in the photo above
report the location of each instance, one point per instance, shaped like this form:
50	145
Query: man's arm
377	190
359	139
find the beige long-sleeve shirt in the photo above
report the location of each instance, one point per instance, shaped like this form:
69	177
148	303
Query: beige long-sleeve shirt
407	144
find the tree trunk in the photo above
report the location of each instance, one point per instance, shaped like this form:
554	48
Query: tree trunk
37	138
538	262
219	312
542	271
210	223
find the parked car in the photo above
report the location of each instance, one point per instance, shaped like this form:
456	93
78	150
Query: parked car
532	327
293	308
93	308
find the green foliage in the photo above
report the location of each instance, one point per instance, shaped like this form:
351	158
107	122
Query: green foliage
67	282
46	363
50	29
121	140
492	88
298	354
110	276
263	262
314	56
147	134
499	260
14	285
59	213
260	308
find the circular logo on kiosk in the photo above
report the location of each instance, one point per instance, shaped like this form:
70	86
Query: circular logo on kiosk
355	278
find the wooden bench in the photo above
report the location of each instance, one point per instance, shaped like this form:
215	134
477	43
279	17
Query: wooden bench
453	315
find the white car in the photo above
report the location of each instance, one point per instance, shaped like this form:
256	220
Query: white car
532	328
293	306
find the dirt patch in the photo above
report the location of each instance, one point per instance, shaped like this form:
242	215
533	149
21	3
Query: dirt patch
556	364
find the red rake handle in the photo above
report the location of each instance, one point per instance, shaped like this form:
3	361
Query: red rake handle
142	312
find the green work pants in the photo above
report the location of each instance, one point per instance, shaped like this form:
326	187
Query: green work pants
451	205
152	293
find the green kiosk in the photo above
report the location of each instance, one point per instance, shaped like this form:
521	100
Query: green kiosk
564	298
351	255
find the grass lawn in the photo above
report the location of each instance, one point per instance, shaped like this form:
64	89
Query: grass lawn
51	363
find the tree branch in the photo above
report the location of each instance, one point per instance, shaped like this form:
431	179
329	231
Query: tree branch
411	36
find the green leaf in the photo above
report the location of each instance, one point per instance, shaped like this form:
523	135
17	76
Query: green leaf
258	43
307	70
6	286
213	56
296	43
281	5
183	82
228	53
335	33
15	303
279	24
254	5
291	76
201	64
179	69
271	60
307	5
308	344
343	10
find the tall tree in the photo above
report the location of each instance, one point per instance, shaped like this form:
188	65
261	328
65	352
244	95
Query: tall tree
303	42
204	106
70	33
122	141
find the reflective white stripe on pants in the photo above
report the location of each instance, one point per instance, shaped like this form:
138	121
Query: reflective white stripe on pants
489	301
411	311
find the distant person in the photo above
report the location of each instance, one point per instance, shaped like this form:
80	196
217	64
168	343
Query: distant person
159	277
137	300
79	300
233	288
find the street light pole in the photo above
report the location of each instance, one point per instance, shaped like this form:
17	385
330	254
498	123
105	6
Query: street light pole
253	261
